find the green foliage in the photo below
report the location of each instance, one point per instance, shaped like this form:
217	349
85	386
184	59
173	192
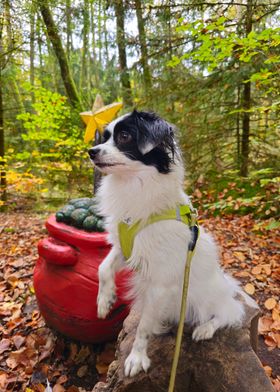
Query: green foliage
54	150
210	59
230	194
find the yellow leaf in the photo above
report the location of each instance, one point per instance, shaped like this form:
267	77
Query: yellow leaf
275	315
270	303
249	288
240	256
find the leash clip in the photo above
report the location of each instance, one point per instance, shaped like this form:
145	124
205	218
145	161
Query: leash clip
194	216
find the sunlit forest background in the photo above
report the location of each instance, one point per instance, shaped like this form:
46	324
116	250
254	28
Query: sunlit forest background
209	67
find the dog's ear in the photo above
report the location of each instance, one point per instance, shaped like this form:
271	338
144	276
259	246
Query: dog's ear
152	131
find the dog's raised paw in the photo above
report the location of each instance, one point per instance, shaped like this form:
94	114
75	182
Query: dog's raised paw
135	362
203	332
104	305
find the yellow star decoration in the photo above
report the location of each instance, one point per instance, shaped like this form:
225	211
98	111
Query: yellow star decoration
97	119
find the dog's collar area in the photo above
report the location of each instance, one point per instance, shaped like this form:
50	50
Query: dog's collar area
128	230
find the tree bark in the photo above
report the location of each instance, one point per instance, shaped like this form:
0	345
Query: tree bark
245	130
54	37
3	181
68	29
84	75
143	45
93	45
227	362
32	49
246	98
125	81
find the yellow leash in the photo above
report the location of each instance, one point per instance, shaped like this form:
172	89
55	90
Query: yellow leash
194	231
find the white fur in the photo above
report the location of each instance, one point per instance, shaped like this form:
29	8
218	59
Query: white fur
134	190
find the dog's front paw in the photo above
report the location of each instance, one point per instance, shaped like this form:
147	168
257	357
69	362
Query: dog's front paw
104	305
135	362
203	332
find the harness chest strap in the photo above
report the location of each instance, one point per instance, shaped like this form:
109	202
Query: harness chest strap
128	232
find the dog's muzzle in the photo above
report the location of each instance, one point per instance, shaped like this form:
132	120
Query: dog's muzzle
93	152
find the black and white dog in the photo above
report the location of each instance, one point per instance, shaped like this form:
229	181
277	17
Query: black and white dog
145	176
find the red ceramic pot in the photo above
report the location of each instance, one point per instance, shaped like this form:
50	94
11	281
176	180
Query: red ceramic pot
66	283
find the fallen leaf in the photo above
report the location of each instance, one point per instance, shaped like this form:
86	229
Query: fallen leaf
275	314
249	288
58	388
267	269
240	256
270	303
257	270
242	274
82	371
264	324
82	354
72	388
4	345
62	379
270	342
268	370
102	368
18	340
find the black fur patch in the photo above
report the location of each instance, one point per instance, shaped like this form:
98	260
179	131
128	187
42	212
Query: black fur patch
147	129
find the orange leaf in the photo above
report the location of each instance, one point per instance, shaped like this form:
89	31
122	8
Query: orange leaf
268	370
270	342
270	303
257	270
240	256
275	314
58	388
264	324
242	274
267	269
249	288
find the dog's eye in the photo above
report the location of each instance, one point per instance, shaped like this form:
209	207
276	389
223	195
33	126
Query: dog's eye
123	137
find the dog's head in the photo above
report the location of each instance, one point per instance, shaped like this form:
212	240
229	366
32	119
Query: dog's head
134	140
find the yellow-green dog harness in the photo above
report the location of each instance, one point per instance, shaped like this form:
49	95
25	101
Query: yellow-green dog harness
127	232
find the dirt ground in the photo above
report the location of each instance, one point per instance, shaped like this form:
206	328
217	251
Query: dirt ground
32	355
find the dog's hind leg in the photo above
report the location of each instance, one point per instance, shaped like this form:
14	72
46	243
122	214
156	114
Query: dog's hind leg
107	290
228	314
206	331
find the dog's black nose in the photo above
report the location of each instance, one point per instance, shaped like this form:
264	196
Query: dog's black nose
93	152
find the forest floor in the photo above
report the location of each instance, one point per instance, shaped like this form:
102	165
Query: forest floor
31	355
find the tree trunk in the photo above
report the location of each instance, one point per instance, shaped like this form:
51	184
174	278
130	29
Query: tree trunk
68	29
238	128
245	130
99	32
143	45
54	37
93	46
32	49
84	75
227	362
39	40
246	98
106	45
125	82
3	182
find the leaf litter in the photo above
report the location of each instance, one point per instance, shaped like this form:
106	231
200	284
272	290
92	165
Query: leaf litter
34	358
